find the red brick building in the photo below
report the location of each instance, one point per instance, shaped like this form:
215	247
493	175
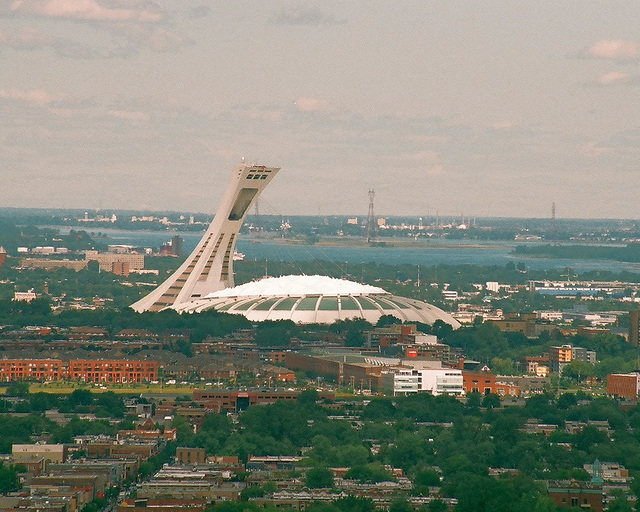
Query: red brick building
31	369
480	382
576	495
235	401
485	382
84	370
191	455
113	371
623	385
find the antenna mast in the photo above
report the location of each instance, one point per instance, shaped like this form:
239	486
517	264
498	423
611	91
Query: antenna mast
371	218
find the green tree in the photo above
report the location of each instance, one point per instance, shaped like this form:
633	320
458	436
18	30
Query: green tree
274	334
621	503
354	338
80	397
578	371
18	388
474	400
387	320
379	409
369	474
400	504
437	505
319	478
8	478
491	401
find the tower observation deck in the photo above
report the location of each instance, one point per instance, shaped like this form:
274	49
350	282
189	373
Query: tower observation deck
209	267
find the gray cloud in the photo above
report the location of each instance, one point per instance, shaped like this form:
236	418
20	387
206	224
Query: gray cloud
304	15
156	38
198	12
25	39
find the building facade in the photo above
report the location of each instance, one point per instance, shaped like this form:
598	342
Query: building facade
113	371
623	385
435	381
110	261
31	369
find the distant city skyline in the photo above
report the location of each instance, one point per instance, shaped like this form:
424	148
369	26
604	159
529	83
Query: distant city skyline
481	109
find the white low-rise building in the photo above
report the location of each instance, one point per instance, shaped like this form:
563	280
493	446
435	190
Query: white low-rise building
443	381
402	380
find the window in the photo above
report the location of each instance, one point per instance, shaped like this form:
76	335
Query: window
245	196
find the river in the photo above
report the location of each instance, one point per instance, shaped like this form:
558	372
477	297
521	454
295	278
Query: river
427	253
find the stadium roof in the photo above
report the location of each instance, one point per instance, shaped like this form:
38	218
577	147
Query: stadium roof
315	299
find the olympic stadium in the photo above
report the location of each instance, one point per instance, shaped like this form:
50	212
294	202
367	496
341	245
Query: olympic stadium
316	299
205	280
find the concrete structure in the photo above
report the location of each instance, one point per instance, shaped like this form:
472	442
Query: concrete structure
400	381
316	299
205	280
561	356
440	381
209	268
435	381
50	452
114	262
76	265
25	296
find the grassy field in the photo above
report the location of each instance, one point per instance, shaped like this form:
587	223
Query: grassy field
128	389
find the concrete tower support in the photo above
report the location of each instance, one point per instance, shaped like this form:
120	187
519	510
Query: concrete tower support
209	268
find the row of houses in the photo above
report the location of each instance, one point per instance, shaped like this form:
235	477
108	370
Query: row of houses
67	477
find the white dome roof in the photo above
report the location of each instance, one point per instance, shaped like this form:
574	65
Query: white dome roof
297	286
315	299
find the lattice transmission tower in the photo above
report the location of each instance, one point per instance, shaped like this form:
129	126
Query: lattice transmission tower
371	218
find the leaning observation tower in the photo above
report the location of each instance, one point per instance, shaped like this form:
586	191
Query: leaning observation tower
209	268
205	279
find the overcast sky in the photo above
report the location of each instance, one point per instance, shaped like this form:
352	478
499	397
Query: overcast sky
481	108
